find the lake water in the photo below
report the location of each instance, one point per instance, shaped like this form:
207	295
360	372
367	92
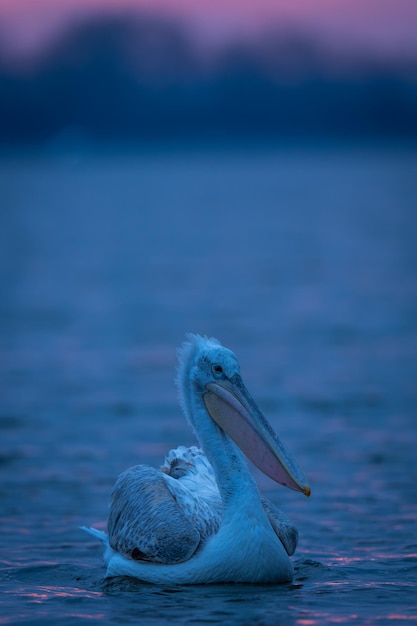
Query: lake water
304	262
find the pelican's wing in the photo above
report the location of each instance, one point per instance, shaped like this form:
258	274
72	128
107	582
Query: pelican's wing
285	531
154	518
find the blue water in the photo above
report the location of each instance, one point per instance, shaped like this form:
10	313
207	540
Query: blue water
304	262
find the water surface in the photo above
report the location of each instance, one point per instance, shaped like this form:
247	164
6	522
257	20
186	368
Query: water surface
304	262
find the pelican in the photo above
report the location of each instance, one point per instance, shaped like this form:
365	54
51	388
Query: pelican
200	518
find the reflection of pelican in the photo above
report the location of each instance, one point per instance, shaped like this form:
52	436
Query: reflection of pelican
201	519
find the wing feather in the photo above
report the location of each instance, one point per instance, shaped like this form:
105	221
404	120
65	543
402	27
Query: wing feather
146	522
284	529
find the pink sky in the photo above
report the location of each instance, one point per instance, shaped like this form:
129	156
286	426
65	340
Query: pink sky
385	27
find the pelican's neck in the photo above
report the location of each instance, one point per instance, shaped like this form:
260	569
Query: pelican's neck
233	477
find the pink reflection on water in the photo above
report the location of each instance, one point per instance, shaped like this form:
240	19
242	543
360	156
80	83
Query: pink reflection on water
47	592
98	616
343	619
346	560
88	616
369	556
321	618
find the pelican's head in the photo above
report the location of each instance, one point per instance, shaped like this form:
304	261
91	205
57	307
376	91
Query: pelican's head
203	360
211	371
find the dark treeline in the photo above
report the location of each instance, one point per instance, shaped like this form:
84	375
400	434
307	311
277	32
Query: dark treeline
130	79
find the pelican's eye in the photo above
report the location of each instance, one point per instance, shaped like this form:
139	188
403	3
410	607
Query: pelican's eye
217	369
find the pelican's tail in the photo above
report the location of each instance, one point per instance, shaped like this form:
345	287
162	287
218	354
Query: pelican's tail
104	538
98	534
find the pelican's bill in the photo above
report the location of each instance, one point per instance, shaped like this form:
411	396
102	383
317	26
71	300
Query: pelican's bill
232	407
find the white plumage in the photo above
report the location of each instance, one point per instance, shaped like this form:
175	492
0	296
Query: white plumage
200	517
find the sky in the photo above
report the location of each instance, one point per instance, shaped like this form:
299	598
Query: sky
382	27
